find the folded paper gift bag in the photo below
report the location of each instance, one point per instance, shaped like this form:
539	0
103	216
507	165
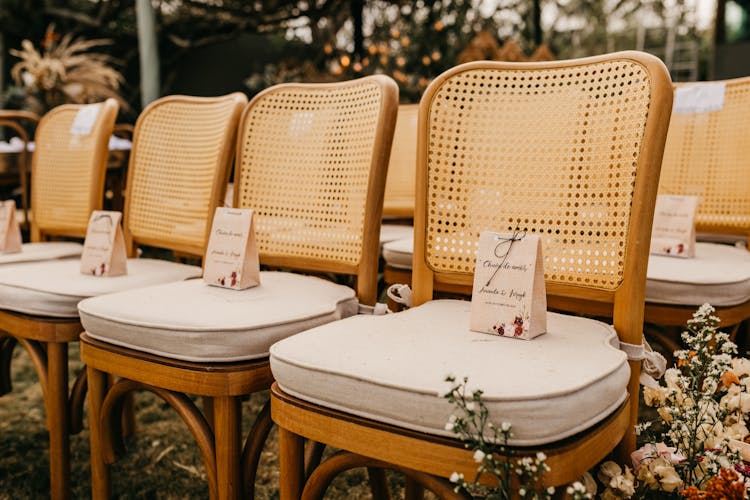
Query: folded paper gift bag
508	297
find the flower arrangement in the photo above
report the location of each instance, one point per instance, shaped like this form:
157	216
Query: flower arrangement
691	446
65	71
489	442
694	448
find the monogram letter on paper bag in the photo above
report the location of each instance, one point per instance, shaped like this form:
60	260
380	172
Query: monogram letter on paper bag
104	248
232	254
509	297
10	230
674	226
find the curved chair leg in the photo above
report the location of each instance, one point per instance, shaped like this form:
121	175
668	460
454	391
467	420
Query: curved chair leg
110	434
414	490
313	455
77	398
38	356
378	484
7	344
256	440
321	478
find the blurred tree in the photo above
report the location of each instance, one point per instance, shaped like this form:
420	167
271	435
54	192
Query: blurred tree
182	26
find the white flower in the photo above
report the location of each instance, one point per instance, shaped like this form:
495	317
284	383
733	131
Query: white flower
741	367
505	427
479	456
470	406
29	80
449	426
668	477
455	477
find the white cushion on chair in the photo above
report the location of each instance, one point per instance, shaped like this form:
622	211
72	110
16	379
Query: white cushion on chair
196	322
399	253
54	288
392	368
47	250
391	232
719	274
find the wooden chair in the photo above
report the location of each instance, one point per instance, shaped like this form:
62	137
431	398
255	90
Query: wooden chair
567	150
182	152
706	156
54	166
18	121
311	162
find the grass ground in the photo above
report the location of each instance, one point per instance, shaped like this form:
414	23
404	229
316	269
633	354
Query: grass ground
162	459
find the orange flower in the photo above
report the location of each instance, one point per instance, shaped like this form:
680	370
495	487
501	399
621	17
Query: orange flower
726	486
729	378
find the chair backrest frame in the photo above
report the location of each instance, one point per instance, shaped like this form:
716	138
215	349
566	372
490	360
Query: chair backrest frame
224	113
330	119
57	211
705	155
626	296
14	120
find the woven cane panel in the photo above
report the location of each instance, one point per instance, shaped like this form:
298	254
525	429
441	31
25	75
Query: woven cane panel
178	149
64	172
707	155
551	152
306	161
399	185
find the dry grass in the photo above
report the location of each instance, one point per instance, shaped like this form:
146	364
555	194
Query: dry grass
162	459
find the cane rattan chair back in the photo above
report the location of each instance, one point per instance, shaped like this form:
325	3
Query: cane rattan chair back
400	184
311	164
178	170
68	169
567	150
706	156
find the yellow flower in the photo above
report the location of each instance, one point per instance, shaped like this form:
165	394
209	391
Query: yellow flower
655	396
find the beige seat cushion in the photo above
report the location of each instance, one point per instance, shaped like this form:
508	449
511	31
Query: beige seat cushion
35	252
719	274
728	239
54	288
392	368
391	232
399	253
193	321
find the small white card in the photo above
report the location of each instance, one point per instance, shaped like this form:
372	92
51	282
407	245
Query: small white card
509	296
673	233
702	98
104	251
232	254
10	229
84	121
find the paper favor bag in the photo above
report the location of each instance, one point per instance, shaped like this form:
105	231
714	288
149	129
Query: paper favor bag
674	226
232	254
509	296
104	248
10	229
